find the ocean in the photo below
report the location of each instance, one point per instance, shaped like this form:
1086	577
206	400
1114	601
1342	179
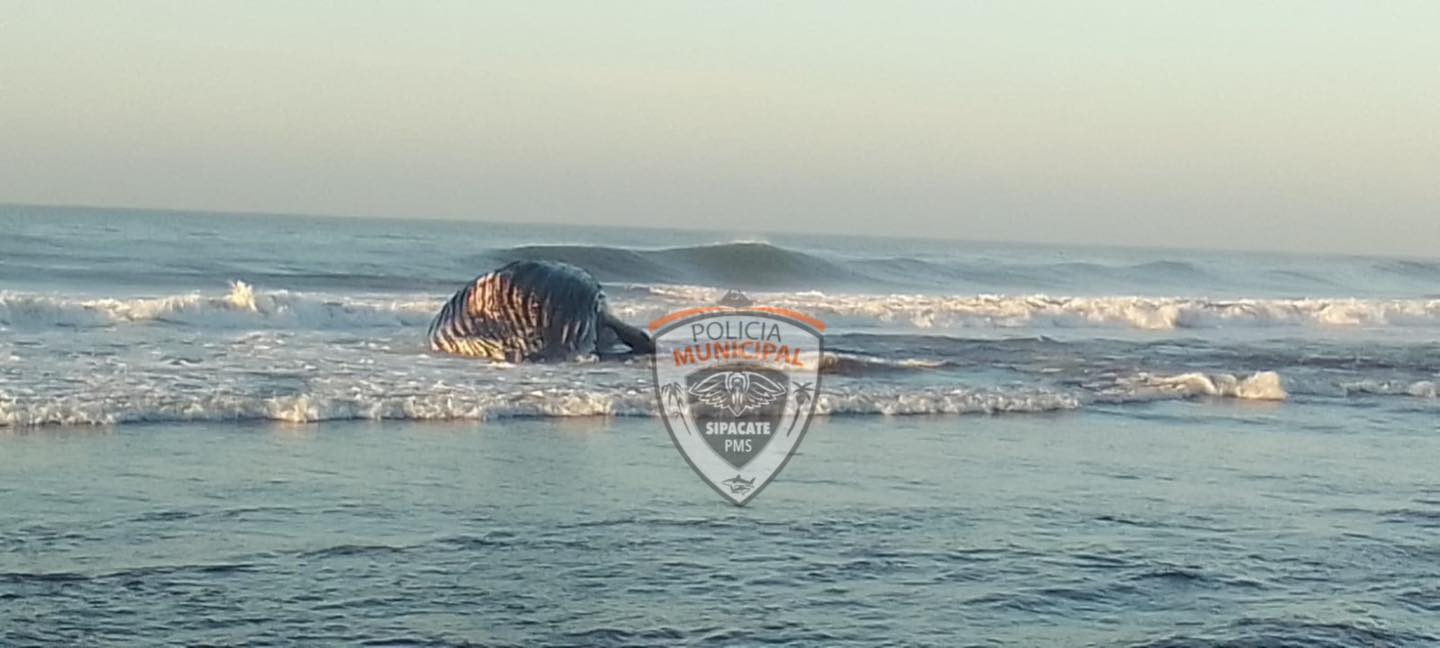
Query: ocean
227	430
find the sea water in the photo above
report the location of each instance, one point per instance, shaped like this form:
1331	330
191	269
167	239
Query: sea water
227	429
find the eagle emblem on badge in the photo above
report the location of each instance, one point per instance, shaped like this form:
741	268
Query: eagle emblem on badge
737	391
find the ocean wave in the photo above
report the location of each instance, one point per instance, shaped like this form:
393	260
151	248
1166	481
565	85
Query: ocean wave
1045	311
241	307
737	264
760	265
954	401
1416	388
244	306
145	397
1262	385
1256	386
477	405
858	364
1410	269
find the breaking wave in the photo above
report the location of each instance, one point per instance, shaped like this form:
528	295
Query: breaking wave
750	264
1416	388
739	264
1262	385
244	306
474	405
241	307
762	265
1045	311
376	397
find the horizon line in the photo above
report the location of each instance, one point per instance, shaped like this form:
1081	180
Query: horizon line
247	213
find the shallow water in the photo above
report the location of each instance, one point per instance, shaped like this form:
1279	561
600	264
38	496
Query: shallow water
223	429
117	317
1241	527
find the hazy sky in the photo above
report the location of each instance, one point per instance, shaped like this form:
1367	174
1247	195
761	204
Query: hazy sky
1292	125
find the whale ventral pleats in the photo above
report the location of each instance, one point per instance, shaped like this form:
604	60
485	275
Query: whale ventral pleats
533	310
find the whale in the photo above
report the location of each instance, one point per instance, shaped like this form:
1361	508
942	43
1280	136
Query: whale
534	311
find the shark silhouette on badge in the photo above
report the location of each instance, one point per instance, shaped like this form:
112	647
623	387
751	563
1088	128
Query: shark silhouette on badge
738	485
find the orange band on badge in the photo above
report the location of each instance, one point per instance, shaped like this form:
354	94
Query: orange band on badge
657	324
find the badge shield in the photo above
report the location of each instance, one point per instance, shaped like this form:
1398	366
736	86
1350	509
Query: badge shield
737	389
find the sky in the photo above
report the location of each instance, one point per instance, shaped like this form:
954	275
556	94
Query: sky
1303	126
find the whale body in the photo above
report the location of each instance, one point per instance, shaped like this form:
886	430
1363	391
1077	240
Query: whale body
533	311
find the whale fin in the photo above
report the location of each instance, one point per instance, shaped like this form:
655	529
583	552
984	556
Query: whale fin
638	340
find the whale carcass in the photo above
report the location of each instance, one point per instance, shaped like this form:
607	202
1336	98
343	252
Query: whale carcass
534	311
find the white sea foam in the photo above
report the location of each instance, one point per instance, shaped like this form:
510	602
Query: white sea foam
1263	385
316	407
451	404
245	306
434	392
267	355
1418	388
953	401
241	307
1044	311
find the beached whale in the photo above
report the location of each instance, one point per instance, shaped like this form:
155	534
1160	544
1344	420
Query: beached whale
534	310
